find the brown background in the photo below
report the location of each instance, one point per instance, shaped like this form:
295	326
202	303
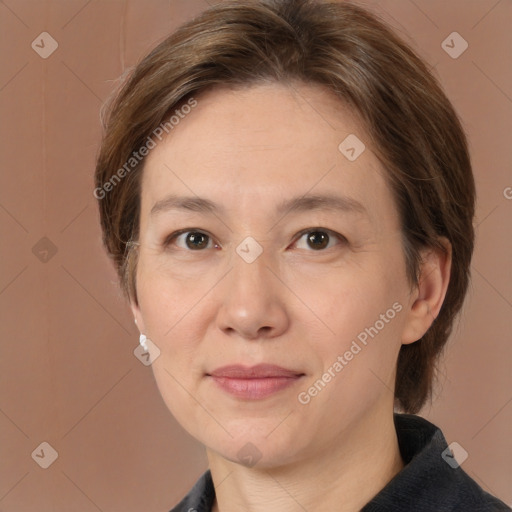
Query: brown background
68	375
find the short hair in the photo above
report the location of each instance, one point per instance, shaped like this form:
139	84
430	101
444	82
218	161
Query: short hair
416	133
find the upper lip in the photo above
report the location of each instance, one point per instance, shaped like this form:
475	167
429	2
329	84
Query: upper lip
260	371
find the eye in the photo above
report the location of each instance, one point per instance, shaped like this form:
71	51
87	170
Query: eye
318	239
191	240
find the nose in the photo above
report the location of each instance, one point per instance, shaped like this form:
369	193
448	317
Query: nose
253	301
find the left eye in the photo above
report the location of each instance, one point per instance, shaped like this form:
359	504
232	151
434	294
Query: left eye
317	240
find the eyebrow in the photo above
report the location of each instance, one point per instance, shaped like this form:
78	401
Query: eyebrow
294	205
188	203
321	202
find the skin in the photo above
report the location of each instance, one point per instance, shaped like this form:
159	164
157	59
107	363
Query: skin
296	305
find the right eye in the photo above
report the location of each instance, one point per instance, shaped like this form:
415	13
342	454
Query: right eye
191	240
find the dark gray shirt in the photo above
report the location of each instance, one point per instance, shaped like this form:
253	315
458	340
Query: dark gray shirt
431	480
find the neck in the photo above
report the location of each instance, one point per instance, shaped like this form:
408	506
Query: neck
344	478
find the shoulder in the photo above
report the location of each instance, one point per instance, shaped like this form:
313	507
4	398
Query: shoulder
432	479
200	498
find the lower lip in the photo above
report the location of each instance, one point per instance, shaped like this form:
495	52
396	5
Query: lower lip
254	389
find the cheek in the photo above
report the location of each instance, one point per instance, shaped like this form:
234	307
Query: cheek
347	301
173	324
169	298
362	314
355	367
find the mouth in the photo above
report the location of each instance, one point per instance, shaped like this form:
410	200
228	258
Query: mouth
256	382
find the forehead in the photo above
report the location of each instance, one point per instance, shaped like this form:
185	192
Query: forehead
266	117
262	143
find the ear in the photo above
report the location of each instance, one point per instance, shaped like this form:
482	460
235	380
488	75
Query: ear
137	316
428	296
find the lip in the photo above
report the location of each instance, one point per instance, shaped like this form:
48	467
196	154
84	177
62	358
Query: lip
254	382
260	371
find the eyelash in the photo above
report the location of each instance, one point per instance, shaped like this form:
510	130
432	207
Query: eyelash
332	234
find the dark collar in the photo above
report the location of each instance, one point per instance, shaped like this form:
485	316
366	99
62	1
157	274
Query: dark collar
431	480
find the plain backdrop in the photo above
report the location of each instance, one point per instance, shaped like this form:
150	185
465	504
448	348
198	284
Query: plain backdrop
68	375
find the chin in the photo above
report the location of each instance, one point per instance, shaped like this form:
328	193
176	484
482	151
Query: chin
261	451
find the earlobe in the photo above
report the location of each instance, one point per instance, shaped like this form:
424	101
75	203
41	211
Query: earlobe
429	295
137	317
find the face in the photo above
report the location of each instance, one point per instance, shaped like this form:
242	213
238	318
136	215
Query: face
264	243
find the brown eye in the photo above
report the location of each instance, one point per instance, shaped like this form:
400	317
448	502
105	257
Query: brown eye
190	240
318	239
196	240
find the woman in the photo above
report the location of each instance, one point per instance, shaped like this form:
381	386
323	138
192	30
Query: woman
288	198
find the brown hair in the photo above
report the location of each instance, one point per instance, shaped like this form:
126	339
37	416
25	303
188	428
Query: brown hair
416	133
